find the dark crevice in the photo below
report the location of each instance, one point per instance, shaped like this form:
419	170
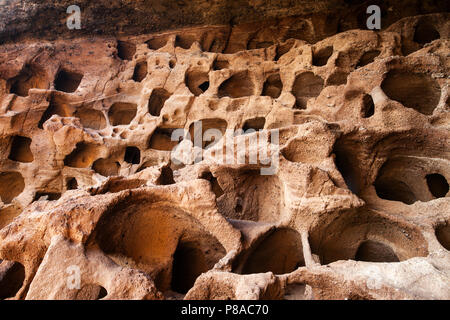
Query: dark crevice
157	100
437	184
20	150
132	155
67	81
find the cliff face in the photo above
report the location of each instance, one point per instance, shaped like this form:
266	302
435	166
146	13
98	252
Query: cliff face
341	191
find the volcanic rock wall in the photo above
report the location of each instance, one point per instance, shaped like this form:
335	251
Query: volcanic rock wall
357	208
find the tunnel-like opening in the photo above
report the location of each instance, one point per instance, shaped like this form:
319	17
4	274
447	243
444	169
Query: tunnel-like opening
122	113
368	107
248	195
443	235
437	184
197	82
237	86
414	90
67	81
306	85
367	58
163	241
161	139
425	32
71	183
91	292
20	149
11	185
365	235
126	50
91	118
31	76
374	251
82	156
56	106
132	155
215	186
188	264
157	100
12	276
140	71
320	57
279	252
166	177
273	86
254	123
106	167
207	124
46	196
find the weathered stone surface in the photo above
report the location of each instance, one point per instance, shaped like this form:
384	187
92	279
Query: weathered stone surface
357	208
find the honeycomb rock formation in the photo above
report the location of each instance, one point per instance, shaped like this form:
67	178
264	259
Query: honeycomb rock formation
358	207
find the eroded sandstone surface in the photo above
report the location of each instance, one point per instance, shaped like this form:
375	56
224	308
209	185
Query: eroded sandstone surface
357	208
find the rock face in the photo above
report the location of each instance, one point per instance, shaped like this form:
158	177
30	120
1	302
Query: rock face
97	204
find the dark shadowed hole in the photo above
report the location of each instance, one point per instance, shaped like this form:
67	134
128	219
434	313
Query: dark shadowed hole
306	86
255	124
67	81
320	58
392	188
218	191
72	184
188	264
184	41
216	124
425	32
166	177
197	82
82	156
126	50
337	78
91	292
91	118
12	276
30	76
368	107
437	184
140	71
20	149
273	86
368	57
161	139
414	90
283	49
280	252
132	155
237	86
50	196
106	167
344	164
374	251
220	64
55	107
443	235
157	100
156	43
204	86
122	113
11	185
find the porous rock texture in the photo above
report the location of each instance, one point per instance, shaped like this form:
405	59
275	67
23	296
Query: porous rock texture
358	207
